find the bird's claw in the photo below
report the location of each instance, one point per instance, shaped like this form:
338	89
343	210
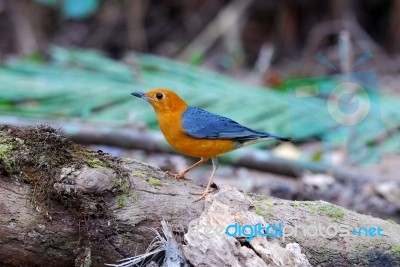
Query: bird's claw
202	194
177	175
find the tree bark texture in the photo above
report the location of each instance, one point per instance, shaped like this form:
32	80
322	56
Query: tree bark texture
62	205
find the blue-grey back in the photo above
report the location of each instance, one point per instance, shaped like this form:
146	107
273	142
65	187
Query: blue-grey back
199	123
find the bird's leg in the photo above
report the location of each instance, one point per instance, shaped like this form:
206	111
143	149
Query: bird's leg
210	181
181	175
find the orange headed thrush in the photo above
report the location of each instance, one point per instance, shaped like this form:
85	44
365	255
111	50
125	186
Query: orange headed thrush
199	133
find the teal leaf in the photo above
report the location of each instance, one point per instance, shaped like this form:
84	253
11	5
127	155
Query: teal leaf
79	9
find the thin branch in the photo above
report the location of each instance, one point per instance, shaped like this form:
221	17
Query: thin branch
133	138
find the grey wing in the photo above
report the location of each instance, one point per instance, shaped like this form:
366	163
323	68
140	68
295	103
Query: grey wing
199	123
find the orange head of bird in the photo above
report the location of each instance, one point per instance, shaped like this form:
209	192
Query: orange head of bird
162	100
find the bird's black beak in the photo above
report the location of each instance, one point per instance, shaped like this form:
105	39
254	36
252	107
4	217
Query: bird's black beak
141	95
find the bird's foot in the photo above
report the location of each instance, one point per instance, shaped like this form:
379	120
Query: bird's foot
177	175
202	194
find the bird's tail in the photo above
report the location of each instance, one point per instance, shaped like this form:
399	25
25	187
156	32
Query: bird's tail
263	138
281	138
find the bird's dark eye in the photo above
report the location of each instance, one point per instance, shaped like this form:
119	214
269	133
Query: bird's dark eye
159	95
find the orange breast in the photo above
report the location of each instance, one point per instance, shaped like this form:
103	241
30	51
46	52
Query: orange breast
170	125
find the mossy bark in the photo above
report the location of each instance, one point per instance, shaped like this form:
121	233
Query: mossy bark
61	205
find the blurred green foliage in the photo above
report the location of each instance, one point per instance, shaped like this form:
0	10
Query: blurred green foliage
88	86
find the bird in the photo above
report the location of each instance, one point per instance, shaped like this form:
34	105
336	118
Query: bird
198	133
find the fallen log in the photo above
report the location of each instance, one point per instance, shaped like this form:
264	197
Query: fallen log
63	205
